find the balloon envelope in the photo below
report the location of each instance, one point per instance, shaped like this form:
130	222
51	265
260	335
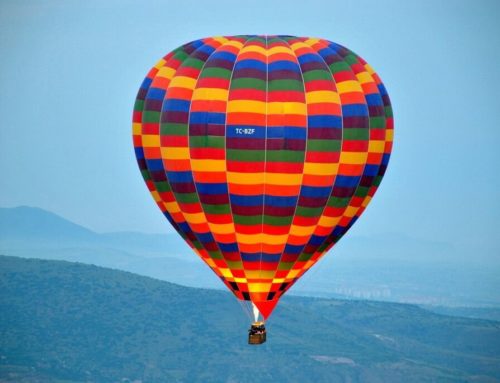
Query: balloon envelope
262	151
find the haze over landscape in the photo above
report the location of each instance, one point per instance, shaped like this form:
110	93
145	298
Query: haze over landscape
363	267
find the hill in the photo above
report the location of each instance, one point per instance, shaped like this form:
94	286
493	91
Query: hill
69	322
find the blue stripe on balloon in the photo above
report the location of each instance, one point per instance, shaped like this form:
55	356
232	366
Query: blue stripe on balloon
212	189
381	89
156	94
385	159
291	132
354	110
317	240
184	227
139	152
324	121
154	165
174	104
293	249
197	43
309	57
272	200
250	64
146	83
374	99
270	258
318	192
284	65
370	170
347	181
206	49
223	55
180	177
228	247
250	257
205	237
207	118
246	200
339	230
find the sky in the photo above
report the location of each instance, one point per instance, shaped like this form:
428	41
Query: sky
70	71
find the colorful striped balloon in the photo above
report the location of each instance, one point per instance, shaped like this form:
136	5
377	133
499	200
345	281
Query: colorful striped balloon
262	151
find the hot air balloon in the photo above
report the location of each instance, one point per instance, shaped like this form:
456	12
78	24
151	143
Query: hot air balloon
262	152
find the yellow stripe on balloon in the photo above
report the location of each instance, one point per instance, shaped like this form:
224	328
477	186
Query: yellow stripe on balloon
311	41
253	48
364	77
293	273
255	274
234	43
172	207
226	272
369	69
245	178
366	201
376	146
174	153
274	239
349	86
208	165
209	261
246	106
150	140
221	39
270	239
286	108
136	128
195	218
350	211
327	221
166	72
183	82
279	49
309	264
249	239
156	196
321	169
211	94
259	287
389	135
302	230
221	228
322	96
160	63
353	158
284	179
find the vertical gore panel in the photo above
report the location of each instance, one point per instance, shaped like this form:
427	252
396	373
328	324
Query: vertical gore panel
245	151
207	130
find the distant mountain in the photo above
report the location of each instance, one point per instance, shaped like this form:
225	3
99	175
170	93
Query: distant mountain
25	231
390	267
68	322
29	226
37	224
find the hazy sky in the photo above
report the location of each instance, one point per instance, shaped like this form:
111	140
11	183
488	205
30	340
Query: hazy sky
70	70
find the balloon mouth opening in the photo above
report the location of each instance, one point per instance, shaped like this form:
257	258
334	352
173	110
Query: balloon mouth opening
264	308
256	312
